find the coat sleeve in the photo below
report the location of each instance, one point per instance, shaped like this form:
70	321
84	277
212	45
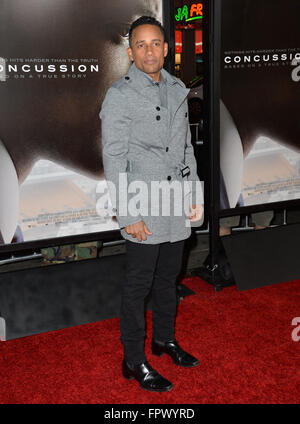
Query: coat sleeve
190	160
115	128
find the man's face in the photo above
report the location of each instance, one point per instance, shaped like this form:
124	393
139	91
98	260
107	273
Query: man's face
148	48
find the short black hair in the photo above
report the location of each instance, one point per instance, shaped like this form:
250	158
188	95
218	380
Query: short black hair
146	20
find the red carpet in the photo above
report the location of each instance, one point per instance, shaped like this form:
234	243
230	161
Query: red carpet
243	340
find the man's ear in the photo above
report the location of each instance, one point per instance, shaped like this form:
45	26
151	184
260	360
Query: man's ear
166	48
129	52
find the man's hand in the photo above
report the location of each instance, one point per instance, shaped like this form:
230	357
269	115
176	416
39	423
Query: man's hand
138	230
196	212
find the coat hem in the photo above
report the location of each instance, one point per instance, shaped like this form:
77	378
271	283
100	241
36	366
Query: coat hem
163	239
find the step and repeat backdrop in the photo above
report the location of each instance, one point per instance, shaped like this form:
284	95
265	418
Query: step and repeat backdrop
59	57
260	92
57	60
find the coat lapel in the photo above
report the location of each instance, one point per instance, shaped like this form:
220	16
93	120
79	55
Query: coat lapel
175	98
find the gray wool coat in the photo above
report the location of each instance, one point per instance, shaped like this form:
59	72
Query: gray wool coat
145	146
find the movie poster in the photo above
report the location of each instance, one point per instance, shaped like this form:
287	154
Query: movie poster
57	60
260	92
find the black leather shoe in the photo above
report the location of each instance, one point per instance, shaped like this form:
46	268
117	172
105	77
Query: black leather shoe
172	348
148	378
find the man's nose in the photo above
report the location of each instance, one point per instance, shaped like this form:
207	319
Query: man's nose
149	50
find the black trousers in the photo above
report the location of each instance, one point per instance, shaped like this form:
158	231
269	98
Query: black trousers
149	266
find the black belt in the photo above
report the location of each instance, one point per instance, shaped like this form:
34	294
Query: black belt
180	169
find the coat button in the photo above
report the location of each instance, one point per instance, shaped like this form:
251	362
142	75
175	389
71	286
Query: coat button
169	178
157	108
158	118
127	78
167	149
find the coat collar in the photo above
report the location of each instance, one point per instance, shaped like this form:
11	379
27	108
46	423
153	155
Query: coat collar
143	80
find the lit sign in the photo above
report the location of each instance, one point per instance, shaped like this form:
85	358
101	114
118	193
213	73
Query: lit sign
189	14
178	42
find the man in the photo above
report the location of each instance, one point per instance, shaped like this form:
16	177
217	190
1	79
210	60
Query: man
146	137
